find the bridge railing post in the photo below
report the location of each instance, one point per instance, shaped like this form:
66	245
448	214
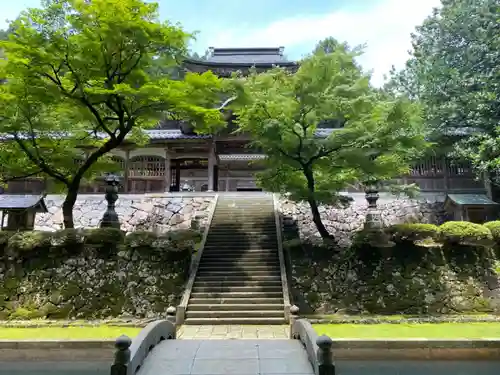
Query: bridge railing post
294	315
324	355
122	356
171	317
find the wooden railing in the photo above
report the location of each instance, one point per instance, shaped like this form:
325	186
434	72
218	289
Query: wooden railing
147	175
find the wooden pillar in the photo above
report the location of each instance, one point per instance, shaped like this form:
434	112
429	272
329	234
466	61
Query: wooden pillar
444	162
212	163
177	174
168	171
126	171
216	178
211	166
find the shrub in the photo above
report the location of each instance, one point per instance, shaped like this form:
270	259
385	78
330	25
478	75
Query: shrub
140	239
183	239
412	232
67	238
28	241
4	240
465	233
494	227
103	237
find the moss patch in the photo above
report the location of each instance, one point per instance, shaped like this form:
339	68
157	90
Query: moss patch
406	331
69	333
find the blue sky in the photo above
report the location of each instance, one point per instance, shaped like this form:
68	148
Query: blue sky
383	25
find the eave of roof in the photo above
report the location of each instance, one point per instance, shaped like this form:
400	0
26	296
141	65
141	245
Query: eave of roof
19	201
215	64
164	134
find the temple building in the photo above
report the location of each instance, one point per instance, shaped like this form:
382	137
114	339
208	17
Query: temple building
177	158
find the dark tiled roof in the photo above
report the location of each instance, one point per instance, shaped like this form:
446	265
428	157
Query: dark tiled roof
12	201
247	56
152	133
471	200
173	134
159	134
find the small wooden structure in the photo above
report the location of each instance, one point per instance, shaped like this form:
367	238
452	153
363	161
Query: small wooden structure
20	211
476	208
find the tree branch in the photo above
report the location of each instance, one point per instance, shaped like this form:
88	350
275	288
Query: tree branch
39	162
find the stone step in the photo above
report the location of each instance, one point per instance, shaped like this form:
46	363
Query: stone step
232	249
242	220
237	278
247	283
244	301
239	257
235	252
254	211
253	214
236	314
242	288
231	258
224	295
238	273
233	268
257	245
245	231
241	237
236	307
207	262
239	243
235	321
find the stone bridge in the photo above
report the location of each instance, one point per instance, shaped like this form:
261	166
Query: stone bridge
155	351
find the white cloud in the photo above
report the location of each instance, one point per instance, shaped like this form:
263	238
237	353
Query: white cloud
385	29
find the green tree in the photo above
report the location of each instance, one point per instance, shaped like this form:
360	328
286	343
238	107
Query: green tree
77	79
282	110
454	72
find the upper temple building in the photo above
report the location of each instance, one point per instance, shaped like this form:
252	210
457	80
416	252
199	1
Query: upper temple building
177	158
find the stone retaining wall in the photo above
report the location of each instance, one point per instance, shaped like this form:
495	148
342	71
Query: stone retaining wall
344	222
158	213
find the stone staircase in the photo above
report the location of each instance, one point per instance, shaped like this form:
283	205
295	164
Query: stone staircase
238	279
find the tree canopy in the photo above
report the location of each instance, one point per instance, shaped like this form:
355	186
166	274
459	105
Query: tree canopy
454	72
284	111
78	83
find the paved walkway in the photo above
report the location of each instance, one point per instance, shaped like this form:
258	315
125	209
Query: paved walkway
227	357
233	332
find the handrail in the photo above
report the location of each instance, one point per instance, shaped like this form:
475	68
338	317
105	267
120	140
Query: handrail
181	309
318	348
279	240
130	355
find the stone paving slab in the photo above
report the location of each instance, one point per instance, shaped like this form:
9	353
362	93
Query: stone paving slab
233	332
224	357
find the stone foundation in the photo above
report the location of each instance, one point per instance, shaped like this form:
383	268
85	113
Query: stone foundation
344	222
159	213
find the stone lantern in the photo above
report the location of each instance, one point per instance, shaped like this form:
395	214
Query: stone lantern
374	225
110	218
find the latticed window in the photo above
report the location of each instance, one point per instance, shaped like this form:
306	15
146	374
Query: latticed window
147	166
119	165
432	166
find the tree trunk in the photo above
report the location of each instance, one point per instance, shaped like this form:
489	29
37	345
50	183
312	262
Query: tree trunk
317	219
68	204
314	205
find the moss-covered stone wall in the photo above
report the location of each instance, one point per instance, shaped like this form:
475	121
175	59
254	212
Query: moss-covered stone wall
444	275
92	274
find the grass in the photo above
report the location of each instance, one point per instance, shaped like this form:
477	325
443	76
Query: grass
67	333
408	331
